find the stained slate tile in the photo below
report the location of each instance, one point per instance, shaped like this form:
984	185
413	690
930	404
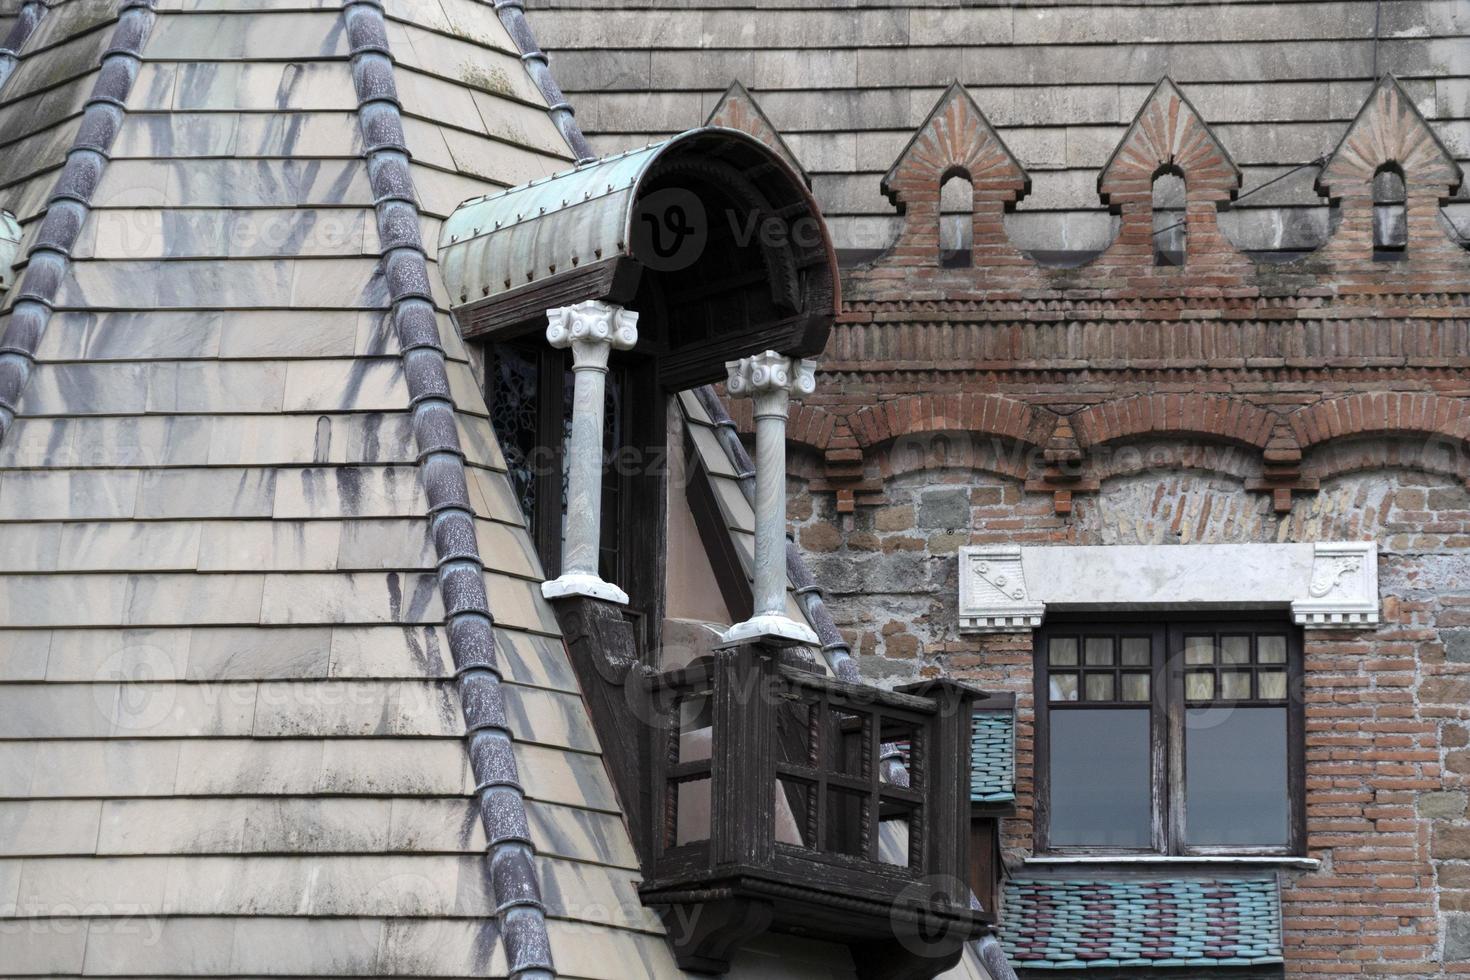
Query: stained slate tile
261	87
239	36
49	827
207	493
251	653
94	336
26	654
92	655
129	546
92	769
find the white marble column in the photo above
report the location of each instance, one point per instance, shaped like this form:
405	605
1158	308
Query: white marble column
770	379
591	329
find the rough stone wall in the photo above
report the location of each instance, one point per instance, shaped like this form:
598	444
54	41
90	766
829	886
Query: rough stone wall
1388	750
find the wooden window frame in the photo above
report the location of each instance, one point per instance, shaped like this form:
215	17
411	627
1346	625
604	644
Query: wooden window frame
635	526
1167	708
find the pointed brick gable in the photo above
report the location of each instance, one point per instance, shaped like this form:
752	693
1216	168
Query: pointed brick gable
1169	135
956	138
738	109
1389	131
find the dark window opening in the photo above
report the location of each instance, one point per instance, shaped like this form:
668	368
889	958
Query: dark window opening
1169	226
956	220
529	394
1169	738
1390	213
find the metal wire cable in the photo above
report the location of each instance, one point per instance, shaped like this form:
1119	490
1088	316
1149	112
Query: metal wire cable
1315	162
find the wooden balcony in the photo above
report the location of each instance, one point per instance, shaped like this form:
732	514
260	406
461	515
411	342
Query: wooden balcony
771	809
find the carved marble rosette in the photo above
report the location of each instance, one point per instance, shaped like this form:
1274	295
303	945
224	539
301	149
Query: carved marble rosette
771	380
1343	590
592	330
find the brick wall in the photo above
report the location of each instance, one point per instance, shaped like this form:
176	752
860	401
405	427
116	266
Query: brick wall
1126	402
1388	751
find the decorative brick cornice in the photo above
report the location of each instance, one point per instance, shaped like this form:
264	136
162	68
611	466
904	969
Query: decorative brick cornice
955	140
1389	129
1390	133
1169	136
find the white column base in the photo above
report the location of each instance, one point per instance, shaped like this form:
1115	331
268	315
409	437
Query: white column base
776	630
584	585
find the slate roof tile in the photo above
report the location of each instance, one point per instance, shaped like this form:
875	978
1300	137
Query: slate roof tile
1066	924
993	757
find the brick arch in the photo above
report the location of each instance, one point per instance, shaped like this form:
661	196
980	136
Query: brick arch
807	425
1383	413
1346	457
966	451
992	415
1210	416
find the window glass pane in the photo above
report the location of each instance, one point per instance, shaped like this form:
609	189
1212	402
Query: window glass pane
1271	649
1099	651
1063	687
1100	783
694	729
1235	685
1063	651
1136	651
693	811
1199	685
1235	649
846	830
1199	649
1136	687
1235	777
1099	687
1272	684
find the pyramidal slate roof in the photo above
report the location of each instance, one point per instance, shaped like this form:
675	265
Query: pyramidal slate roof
246	486
279	694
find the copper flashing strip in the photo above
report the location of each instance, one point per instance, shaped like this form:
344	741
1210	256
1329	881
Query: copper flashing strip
512	15
835	649
49	256
26	20
461	571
